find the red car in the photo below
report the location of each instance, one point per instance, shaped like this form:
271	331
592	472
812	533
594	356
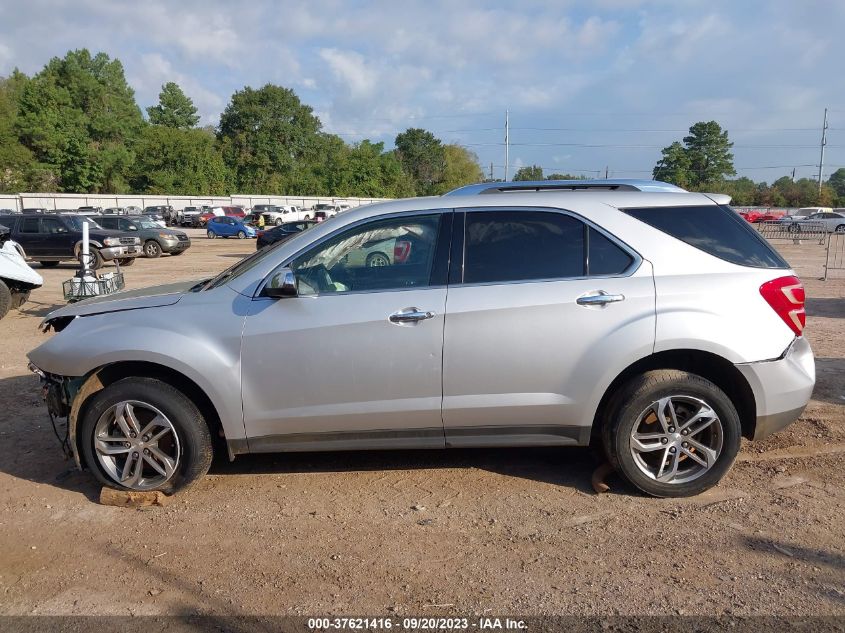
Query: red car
235	212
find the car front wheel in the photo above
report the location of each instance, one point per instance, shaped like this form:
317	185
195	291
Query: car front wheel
143	434
211	235
152	249
241	235
671	433
840	228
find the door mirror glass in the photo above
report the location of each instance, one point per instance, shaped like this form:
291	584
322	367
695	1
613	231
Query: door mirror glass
282	284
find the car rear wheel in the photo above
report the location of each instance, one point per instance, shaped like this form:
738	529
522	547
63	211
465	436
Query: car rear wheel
48	264
377	259
671	433
840	228
278	222
152	249
241	235
143	434
211	235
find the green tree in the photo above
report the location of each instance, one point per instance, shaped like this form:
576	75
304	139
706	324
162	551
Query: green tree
461	169
81	108
674	166
743	191
16	161
269	139
174	109
423	158
181	162
557	176
534	172
837	183
709	152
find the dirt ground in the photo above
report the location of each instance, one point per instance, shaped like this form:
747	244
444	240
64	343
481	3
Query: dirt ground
427	533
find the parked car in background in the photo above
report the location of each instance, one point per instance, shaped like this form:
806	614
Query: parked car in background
281	233
154	216
323	210
189	216
830	221
111	211
133	210
17	279
53	238
89	210
155	240
225	226
282	213
659	326
166	211
9	211
30	210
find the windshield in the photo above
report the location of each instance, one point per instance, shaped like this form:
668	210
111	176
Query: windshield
76	222
144	223
241	267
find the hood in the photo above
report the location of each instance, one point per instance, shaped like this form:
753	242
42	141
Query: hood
152	297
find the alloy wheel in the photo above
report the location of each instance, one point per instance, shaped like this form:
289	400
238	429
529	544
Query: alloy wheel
137	445
677	439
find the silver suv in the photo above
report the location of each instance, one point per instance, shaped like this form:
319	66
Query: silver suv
651	321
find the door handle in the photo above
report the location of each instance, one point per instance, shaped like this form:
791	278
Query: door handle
599	298
409	315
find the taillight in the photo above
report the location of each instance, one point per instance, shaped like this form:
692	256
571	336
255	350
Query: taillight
786	296
401	250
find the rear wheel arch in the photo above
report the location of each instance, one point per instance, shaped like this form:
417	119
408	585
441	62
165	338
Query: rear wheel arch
718	370
110	374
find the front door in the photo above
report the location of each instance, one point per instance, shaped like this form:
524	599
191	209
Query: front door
354	361
547	306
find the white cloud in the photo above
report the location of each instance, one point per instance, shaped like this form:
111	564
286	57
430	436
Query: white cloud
352	71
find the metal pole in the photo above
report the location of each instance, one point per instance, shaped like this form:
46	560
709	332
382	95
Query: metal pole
507	143
824	142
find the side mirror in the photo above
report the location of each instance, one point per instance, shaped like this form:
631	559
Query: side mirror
282	285
132	227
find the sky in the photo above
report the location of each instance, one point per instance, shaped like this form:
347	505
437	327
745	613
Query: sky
590	85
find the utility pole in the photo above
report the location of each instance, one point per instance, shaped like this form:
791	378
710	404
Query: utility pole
491	171
824	142
606	169
507	143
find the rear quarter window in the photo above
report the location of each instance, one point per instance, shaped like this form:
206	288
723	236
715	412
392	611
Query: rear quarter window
714	229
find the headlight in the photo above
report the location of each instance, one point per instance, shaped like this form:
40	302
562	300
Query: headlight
167	236
112	241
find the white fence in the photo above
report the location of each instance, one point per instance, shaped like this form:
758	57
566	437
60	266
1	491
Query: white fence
74	200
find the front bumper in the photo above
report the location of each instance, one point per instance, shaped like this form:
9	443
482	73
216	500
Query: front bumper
119	252
782	387
174	246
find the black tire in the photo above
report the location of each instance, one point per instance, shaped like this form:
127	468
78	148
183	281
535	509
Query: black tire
48	264
126	261
241	235
633	399
794	228
97	260
839	229
211	235
196	449
5	299
278	221
152	249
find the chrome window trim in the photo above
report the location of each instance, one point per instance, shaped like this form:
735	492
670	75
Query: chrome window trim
636	258
387	216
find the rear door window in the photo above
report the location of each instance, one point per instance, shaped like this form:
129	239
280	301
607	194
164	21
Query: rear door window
503	246
605	256
29	225
714	229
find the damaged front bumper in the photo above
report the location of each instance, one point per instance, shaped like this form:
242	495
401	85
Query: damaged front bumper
64	397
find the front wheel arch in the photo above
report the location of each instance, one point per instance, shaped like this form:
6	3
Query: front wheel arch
109	374
720	371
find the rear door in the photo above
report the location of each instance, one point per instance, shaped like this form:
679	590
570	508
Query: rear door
542	309
58	239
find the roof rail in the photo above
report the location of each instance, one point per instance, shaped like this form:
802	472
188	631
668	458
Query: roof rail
522	186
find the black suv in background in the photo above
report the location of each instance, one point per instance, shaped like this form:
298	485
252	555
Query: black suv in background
53	238
164	210
281	233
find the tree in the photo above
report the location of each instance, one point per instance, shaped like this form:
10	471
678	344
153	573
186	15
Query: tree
181	162
16	161
461	169
674	166
702	161
557	176
534	172
743	191
269	139
709	152
81	108
175	109
837	183
423	158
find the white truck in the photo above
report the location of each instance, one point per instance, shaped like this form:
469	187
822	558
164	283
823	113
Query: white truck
280	213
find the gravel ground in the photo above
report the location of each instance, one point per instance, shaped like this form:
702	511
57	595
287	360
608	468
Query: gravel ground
428	533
